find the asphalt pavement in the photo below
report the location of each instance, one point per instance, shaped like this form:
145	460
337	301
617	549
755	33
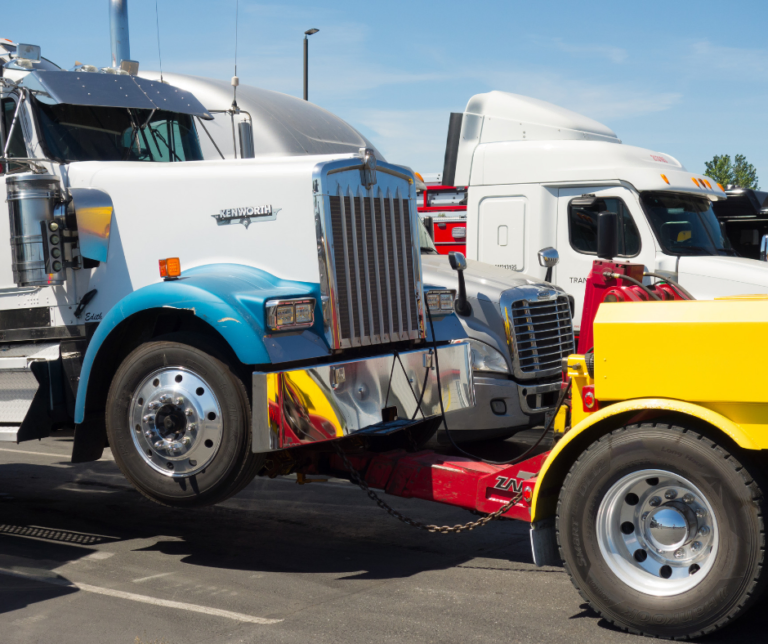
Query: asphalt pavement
86	559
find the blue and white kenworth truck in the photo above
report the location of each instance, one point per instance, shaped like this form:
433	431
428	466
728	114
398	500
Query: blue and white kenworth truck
205	318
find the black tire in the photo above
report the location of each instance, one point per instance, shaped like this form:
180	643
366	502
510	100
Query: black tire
231	467
735	574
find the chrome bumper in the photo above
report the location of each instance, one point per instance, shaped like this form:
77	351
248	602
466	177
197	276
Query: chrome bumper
303	406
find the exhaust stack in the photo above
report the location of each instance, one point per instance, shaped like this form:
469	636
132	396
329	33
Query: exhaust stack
118	32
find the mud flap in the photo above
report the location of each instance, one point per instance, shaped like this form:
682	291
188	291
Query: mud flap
544	543
47	408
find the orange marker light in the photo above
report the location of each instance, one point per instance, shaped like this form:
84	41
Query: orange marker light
664	176
696	183
721	187
170	268
709	185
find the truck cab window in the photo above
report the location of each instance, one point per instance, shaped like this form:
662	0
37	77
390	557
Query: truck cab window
582	226
17	148
85	133
685	224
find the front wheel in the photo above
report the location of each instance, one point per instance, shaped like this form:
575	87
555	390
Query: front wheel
178	421
661	530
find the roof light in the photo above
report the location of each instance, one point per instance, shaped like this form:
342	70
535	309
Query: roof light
170	268
721	187
664	176
696	183
709	185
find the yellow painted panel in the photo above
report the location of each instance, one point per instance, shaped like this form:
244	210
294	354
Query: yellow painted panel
700	351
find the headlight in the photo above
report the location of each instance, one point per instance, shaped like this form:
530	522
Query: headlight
440	302
486	358
283	315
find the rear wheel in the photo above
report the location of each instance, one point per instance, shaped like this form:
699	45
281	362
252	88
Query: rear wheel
661	530
178	421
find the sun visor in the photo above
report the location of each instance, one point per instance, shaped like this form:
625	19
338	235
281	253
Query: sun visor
113	90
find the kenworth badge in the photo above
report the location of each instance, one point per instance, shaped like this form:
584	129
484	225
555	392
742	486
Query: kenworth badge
245	215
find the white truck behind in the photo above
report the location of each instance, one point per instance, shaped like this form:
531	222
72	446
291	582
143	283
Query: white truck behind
538	175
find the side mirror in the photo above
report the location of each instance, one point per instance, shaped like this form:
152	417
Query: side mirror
459	264
548	257
607	235
764	249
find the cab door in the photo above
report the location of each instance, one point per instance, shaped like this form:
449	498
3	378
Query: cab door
577	212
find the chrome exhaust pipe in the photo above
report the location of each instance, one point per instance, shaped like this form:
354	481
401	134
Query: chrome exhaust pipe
118	31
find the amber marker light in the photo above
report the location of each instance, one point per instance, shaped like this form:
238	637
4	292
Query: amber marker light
170	268
721	187
664	176
709	185
696	183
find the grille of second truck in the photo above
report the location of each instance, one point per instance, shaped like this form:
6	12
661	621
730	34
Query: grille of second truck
373	257
543	333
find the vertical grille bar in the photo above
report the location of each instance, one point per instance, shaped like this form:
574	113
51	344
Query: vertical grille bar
406	262
395	256
375	239
365	242
347	272
384	218
356	261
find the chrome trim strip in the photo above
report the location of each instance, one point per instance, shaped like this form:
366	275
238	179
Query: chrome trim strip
391	328
369	297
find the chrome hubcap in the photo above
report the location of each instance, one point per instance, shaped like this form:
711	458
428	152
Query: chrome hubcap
176	422
657	532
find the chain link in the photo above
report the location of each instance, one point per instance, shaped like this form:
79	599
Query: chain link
441	529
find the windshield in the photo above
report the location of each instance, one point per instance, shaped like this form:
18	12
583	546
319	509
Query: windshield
85	133
685	225
425	241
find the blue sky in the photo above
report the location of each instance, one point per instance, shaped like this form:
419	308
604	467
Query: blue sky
686	78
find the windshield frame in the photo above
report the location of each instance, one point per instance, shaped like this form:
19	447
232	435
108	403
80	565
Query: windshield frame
430	249
712	250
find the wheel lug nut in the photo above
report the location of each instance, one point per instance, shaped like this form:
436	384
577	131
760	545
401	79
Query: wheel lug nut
187	441
688	498
679	553
165	399
670	494
179	401
696	546
645	515
153	405
701	513
655	502
148	433
188	411
704	531
149	418
160	445
192	426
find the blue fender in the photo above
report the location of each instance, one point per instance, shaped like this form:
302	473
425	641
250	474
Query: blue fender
229	297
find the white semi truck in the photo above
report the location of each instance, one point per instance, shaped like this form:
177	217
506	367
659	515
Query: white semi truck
516	368
208	317
538	175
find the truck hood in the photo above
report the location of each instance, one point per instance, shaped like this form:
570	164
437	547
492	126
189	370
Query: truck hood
717	276
481	279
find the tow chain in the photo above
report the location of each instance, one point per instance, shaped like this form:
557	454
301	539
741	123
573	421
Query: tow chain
442	529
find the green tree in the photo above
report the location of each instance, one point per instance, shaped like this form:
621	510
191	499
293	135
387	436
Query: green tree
740	173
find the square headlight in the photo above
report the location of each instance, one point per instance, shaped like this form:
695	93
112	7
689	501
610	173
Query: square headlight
433	300
304	313
446	301
284	315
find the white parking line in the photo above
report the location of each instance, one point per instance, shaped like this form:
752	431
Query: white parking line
162	574
107	456
144	599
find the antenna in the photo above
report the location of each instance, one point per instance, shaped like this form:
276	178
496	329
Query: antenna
159	55
235	79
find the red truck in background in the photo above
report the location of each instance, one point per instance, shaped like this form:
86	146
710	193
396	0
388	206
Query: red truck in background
443	210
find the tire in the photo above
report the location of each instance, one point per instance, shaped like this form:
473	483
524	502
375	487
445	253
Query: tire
661	531
179	423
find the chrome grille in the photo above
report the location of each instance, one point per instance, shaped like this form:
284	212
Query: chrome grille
373	257
543	333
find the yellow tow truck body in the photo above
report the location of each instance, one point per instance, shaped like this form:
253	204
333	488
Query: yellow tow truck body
702	360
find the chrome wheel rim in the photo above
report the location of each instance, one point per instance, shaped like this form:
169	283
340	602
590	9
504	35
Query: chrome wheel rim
657	532
175	422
